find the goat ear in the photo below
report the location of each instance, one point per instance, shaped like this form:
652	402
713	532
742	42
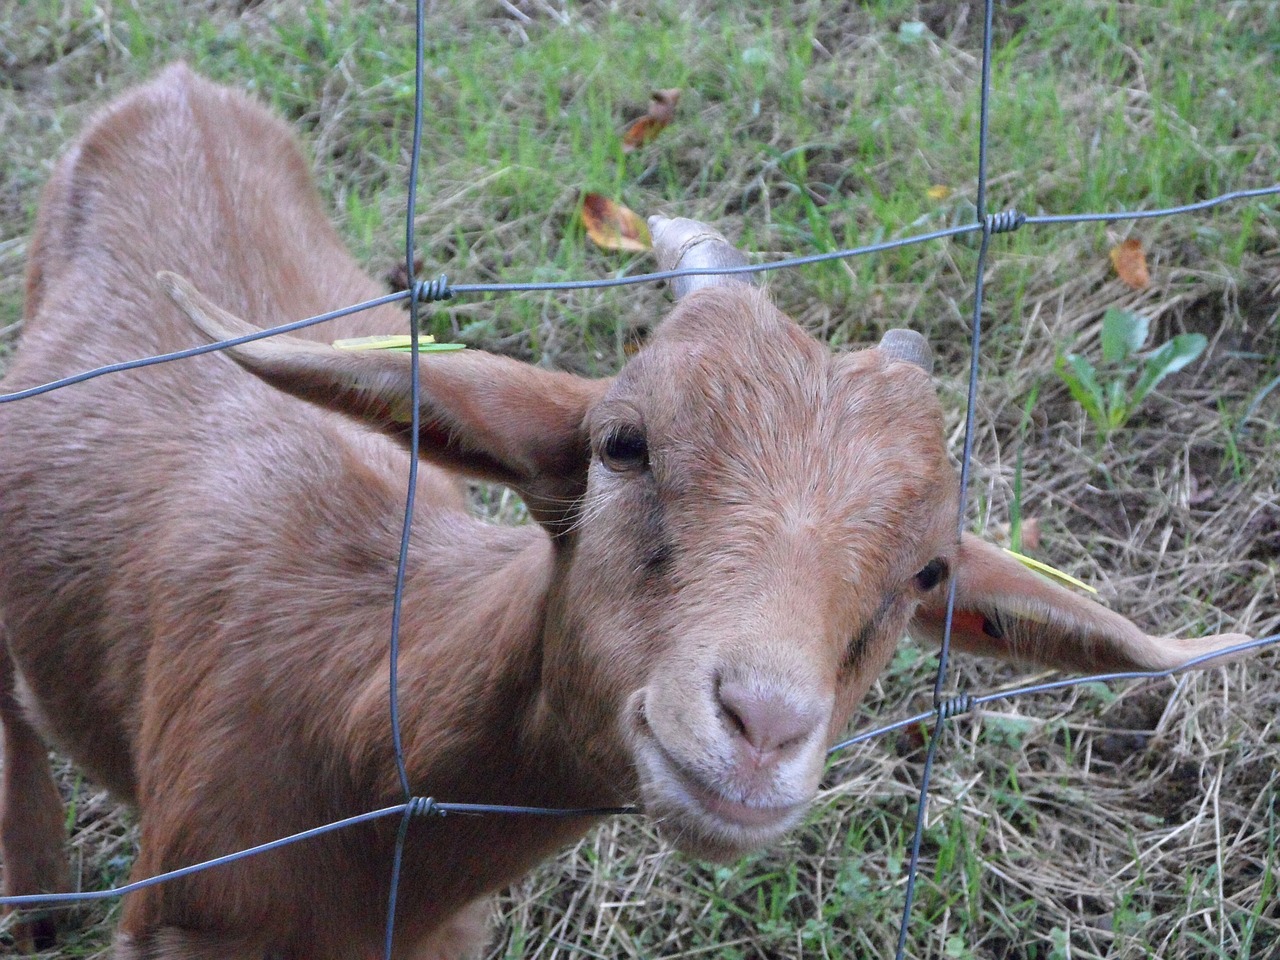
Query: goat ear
1004	610
487	416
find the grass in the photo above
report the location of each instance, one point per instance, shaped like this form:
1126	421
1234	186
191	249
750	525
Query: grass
1131	823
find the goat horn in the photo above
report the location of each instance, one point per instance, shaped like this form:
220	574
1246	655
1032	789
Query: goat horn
679	243
908	345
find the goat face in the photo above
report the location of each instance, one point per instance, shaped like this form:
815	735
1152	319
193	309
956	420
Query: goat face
743	526
760	521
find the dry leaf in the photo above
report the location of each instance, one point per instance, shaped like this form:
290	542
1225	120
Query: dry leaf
634	340
1030	533
1003	534
662	110
1131	263
397	278
939	191
612	226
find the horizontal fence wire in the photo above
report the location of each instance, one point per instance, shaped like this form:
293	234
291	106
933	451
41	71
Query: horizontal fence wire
414	806
438	290
428	806
944	709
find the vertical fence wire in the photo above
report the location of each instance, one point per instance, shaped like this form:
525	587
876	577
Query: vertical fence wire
966	464
415	396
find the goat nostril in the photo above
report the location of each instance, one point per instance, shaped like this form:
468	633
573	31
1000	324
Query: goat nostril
768	721
738	724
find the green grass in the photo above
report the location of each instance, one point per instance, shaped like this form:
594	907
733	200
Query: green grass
839	150
802	128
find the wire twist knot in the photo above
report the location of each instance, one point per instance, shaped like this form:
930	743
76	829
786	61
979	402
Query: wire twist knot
425	807
431	291
1006	221
954	707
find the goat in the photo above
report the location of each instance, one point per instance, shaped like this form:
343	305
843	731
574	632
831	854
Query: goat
731	537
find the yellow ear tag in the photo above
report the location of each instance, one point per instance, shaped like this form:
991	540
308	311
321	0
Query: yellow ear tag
397	341
1052	573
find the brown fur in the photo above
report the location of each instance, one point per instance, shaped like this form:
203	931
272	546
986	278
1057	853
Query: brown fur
199	565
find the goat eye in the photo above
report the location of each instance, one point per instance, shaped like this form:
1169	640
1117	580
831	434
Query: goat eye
625	449
932	574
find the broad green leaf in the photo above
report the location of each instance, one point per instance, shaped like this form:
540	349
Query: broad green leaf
1077	373
1170	358
1186	348
912	31
1117	409
1123	334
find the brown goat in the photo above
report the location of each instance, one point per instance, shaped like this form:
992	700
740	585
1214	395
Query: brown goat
732	535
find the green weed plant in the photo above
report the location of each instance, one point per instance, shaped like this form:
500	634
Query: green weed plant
1113	391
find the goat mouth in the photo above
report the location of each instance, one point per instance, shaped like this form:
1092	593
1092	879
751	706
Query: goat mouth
740	814
676	792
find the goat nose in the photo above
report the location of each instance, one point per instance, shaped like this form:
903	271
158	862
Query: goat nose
769	721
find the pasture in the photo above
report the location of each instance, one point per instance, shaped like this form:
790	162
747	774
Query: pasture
1129	821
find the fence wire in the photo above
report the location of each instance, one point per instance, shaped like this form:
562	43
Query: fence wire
423	291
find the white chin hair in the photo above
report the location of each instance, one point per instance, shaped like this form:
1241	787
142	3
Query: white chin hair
701	834
687	815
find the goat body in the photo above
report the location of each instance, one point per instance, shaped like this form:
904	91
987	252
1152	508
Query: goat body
732	535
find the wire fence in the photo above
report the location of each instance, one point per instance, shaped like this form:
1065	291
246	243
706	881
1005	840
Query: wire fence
422	291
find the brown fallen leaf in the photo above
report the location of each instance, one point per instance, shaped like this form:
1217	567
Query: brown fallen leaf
611	226
1030	533
397	278
662	110
634	339
1131	263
